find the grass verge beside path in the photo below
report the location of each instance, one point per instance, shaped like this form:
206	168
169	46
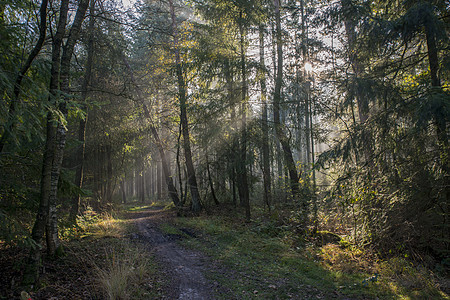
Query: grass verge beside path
99	262
262	264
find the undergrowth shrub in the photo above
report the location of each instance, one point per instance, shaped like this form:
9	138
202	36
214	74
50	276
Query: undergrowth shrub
103	224
338	259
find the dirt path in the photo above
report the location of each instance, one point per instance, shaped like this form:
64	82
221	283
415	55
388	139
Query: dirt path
185	268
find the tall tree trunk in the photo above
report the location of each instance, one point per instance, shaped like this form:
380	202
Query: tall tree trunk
196	201
307	126
264	125
51	165
242	165
440	123
109	174
357	67
49	178
123	191
61	131
131	184
153	180
83	121
159	178
141	181
311	134
18	82
231	102
100	174
362	104
148	178
308	99
279	155
211	184
282	137
180	177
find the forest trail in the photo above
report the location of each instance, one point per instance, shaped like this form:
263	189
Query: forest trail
183	268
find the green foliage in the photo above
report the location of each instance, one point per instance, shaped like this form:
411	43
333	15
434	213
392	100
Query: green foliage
67	188
14	229
19	195
389	172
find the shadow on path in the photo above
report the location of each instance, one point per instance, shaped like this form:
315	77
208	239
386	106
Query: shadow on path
184	267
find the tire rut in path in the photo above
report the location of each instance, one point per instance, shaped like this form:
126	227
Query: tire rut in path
184	267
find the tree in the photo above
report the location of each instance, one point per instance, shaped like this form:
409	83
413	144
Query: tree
264	123
46	219
18	82
282	137
396	94
192	179
83	121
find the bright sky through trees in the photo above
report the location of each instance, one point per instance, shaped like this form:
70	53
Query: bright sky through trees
308	67
128	3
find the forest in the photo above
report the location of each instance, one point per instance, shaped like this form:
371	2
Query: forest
299	147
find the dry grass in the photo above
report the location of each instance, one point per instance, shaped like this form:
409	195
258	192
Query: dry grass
100	225
124	273
114	280
124	269
107	227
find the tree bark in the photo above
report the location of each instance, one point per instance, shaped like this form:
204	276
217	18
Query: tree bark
264	125
109	174
123	192
61	131
440	123
284	141
180	180
141	183
50	170
83	122
192	180
358	68
211	184
231	101
158	177
242	164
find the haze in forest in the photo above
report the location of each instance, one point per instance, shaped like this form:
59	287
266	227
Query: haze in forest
310	133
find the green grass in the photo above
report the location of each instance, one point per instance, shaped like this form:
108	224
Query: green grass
135	206
267	265
169	229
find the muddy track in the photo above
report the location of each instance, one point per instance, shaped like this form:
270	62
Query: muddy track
183	268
